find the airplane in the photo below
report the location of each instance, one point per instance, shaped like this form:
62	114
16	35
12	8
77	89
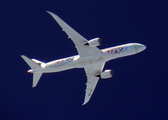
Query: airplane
91	58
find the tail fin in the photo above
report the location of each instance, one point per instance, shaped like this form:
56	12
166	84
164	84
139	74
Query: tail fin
38	62
33	65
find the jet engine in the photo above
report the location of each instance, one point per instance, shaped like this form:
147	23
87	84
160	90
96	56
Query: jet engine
106	74
94	42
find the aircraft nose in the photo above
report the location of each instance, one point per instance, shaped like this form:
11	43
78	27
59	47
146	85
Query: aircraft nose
139	47
143	47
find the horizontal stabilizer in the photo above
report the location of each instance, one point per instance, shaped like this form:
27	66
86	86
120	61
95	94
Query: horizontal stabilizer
32	64
36	78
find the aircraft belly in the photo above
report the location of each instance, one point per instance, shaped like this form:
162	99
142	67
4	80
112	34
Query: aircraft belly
84	61
67	66
91	58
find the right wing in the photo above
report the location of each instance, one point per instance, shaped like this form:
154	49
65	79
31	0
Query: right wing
78	39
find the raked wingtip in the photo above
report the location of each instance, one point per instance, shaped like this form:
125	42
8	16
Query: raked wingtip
49	12
84	103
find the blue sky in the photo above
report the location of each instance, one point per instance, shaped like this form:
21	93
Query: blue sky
138	90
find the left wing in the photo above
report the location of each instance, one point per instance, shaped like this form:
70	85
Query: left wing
91	71
78	39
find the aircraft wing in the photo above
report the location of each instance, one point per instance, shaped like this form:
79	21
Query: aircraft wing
78	39
91	71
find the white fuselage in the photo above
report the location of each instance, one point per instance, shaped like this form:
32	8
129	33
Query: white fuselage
80	62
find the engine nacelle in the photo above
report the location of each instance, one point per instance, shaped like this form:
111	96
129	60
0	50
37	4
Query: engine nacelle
106	74
94	42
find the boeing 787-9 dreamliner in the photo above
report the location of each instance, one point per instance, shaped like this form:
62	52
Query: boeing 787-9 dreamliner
91	58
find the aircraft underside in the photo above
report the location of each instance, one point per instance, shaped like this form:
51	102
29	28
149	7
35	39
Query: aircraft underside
90	57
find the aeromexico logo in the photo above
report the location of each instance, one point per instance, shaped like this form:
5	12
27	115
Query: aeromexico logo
61	62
